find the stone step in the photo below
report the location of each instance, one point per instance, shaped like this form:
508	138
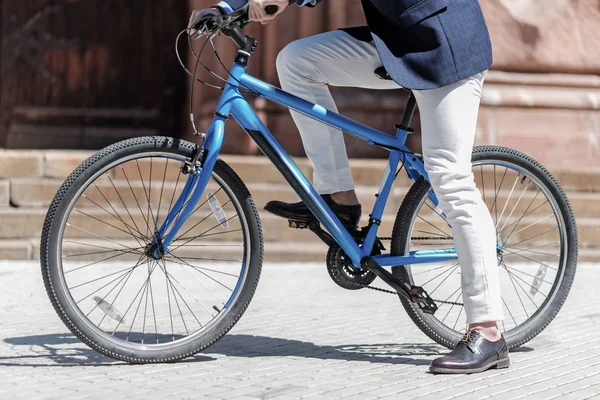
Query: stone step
367	172
28	249
251	169
98	250
32	178
86	252
25	224
28	192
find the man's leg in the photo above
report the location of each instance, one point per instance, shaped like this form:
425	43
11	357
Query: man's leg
448	121
306	67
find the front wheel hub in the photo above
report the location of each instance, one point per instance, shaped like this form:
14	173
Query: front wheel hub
155	251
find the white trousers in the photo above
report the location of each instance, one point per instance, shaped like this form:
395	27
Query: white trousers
448	119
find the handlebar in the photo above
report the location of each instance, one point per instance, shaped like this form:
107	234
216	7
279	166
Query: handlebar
233	25
271	9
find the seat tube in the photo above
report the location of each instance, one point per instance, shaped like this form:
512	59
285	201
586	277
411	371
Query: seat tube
382	197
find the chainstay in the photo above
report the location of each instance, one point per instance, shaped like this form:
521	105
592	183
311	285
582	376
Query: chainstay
395	293
420	238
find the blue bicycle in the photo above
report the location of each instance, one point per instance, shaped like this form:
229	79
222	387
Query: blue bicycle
152	248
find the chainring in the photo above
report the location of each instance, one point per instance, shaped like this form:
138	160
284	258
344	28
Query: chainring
343	273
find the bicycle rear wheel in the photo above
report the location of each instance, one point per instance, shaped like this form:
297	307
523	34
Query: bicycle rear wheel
104	281
537	233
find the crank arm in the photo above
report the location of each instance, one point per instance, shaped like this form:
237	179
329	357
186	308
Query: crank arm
315	227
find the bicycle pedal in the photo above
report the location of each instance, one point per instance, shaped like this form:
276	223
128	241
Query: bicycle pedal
420	297
298	224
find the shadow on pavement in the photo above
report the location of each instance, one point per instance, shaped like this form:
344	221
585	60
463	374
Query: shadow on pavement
57	350
238	345
522	349
65	350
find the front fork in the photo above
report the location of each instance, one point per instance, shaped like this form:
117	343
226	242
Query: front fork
199	170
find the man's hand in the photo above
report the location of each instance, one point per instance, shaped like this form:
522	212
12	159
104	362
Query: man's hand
197	16
257	9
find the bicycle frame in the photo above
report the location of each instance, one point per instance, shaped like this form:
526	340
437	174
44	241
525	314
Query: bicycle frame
233	103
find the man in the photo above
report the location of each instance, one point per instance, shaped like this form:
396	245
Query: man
441	50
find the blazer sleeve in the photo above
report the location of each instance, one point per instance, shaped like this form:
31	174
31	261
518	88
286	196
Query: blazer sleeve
237	4
309	3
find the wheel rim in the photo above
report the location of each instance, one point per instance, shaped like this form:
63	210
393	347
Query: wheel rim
129	298
531	232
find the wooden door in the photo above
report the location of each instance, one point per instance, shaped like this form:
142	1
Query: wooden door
84	73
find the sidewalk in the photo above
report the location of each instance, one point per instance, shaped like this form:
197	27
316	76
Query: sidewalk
302	337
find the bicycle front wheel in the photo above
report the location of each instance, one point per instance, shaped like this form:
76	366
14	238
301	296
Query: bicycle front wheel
537	239
109	287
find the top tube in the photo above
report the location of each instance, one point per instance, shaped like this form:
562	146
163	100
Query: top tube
370	135
239	77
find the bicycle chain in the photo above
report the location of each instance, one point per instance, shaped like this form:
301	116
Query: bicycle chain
419	238
395	293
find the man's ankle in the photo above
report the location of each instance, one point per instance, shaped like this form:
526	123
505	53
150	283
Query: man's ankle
489	330
345	198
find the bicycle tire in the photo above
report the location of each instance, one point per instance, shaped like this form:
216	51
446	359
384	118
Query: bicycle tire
51	261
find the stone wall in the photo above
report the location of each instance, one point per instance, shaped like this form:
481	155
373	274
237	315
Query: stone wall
543	95
545	35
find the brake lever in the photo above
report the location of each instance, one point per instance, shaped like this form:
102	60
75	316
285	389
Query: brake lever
239	16
207	25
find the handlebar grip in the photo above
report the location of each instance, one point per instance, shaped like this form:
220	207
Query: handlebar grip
271	9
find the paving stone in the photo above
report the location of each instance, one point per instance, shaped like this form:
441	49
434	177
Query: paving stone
301	338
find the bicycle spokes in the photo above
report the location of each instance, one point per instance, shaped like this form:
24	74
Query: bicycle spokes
119	274
529	245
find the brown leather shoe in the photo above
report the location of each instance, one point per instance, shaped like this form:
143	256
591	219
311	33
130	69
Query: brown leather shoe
473	354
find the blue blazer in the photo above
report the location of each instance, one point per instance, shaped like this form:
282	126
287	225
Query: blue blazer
426	44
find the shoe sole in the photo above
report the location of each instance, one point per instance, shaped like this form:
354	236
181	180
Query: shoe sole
499	364
312	218
290	216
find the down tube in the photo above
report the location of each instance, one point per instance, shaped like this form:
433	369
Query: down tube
249	121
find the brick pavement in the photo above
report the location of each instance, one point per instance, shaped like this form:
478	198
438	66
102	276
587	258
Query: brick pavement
302	337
